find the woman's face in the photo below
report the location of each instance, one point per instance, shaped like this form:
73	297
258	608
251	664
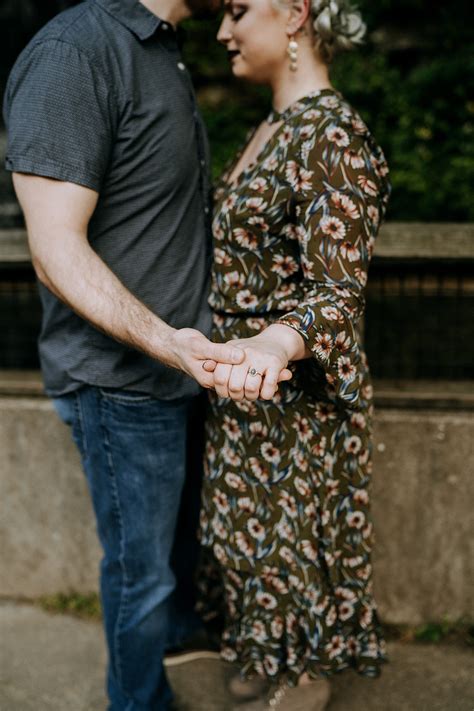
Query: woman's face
255	34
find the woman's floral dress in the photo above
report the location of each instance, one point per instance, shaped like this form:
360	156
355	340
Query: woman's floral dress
286	501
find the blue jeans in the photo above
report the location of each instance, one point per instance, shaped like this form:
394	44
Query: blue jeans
134	449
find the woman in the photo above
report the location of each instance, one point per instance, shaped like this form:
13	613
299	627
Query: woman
285	502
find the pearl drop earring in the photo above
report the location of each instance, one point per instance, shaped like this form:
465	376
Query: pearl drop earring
293	54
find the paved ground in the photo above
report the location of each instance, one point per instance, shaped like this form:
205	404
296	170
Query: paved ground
55	663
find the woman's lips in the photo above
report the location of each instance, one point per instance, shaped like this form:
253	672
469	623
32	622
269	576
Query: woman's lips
232	53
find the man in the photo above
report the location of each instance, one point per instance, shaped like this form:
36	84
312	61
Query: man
110	164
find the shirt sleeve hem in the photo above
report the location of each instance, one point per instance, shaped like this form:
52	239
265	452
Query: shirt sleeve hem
53	169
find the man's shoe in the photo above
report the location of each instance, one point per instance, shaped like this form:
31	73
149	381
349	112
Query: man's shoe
307	697
199	646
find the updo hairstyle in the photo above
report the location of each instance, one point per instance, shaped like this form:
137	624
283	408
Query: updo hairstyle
337	26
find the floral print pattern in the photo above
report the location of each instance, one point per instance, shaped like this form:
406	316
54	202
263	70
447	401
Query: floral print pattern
286	497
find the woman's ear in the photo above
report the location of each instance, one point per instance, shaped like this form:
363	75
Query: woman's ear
299	13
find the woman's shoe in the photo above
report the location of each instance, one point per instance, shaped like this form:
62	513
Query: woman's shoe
306	697
247	689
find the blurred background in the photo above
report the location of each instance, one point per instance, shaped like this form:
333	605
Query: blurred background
413	83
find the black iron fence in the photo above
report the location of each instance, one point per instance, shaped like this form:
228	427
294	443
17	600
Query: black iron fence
419	318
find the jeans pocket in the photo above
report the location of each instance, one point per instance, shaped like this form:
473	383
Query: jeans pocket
126	397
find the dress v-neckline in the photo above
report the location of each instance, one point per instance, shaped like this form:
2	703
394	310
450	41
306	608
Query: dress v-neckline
273	117
247	169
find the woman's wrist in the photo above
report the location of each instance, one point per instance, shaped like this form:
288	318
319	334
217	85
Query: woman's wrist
292	342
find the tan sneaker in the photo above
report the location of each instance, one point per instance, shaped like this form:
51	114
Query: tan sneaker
307	697
247	689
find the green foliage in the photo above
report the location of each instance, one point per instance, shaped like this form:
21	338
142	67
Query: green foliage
413	82
77	604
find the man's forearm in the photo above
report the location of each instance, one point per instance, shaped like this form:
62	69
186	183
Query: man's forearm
79	277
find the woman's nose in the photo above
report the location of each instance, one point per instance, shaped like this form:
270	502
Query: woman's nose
224	33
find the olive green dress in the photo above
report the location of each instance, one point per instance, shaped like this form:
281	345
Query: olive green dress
286	499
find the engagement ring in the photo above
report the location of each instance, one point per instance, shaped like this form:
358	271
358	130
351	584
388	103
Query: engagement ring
252	372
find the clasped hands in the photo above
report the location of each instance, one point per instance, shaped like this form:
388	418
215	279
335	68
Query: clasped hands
257	376
245	368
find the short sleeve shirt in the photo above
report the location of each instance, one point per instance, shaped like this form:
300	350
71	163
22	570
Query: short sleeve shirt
100	97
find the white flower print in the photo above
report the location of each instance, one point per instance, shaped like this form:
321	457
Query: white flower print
333	226
355	519
332	314
246	504
343	342
231	457
259	632
337	135
361	496
349	251
234	279
345	204
276	627
258	470
284	530
256	529
219	553
257	203
309	550
271	664
266	600
245	238
303	428
307	131
346	369
284	266
323	345
270	453
221	501
361	276
353	444
353	158
222	258
243	543
335	646
312	114
288	504
259	185
367	185
235	481
298	177
231	428
302	486
287	555
218	528
310	511
246	300
285	137
229	203
346	610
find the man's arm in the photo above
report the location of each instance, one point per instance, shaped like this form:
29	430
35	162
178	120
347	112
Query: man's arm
57	216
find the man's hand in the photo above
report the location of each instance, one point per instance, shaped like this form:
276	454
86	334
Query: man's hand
191	350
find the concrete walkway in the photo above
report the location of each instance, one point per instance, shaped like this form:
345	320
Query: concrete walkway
56	663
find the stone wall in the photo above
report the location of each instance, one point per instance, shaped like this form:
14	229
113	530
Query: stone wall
422	505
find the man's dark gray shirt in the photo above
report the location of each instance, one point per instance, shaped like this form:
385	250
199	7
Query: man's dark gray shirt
100	97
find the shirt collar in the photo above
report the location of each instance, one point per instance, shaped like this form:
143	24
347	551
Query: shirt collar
134	16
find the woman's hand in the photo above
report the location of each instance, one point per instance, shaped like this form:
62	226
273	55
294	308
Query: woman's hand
265	365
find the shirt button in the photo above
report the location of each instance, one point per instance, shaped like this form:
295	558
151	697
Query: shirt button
181	66
203	163
206	210
165	26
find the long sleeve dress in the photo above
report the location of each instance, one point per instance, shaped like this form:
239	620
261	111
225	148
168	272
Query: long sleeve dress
286	498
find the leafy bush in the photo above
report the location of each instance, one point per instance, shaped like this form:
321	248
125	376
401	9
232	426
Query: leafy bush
413	82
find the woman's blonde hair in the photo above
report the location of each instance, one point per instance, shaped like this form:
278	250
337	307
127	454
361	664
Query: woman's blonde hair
337	26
